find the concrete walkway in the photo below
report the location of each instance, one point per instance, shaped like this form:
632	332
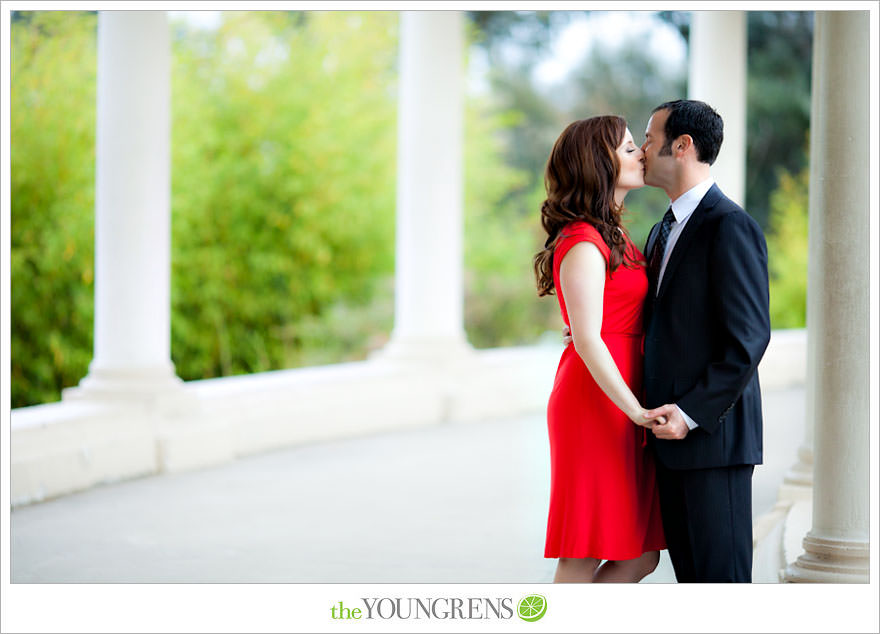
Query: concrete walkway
457	503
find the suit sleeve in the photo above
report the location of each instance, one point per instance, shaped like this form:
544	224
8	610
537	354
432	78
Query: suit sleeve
741	300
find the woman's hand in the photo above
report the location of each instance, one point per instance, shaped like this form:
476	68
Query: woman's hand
582	275
638	417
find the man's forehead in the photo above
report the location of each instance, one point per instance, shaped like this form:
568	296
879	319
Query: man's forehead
655	122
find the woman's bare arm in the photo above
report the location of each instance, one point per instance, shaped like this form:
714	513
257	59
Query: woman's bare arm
582	277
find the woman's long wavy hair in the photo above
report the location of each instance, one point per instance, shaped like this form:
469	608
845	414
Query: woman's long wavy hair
580	178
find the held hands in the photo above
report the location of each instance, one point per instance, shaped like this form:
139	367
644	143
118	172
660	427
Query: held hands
674	429
642	419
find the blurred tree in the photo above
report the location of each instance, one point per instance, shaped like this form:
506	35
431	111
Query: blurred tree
500	306
515	125
283	180
521	34
780	45
627	79
681	20
514	42
779	76
52	134
503	230
283	194
787	250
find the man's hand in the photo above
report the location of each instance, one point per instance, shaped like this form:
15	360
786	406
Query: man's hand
675	427
566	336
649	423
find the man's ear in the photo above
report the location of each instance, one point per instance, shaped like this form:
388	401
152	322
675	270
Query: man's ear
682	144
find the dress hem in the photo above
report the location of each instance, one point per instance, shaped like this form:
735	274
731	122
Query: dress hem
605	557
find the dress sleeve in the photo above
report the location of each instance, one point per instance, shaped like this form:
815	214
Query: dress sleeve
579	232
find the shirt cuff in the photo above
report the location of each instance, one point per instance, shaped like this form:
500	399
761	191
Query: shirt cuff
687	419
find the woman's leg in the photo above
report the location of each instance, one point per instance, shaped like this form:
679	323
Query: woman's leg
628	570
571	570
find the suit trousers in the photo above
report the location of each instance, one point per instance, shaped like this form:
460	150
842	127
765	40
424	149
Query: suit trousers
707	518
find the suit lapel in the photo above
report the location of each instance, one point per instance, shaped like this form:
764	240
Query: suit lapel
652	237
687	235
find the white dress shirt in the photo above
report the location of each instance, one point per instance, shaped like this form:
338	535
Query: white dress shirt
683	208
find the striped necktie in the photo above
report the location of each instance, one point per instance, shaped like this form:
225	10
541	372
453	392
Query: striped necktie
660	247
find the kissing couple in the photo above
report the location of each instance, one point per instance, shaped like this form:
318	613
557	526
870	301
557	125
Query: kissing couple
654	419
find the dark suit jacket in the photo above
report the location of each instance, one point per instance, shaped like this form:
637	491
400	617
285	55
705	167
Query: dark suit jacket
705	333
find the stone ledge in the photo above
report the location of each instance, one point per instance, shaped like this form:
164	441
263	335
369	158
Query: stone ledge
69	446
785	362
62	448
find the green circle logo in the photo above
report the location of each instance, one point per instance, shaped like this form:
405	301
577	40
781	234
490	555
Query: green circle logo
532	607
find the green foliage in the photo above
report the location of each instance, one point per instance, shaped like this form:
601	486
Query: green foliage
531	30
283	187
780	51
778	102
283	197
501	236
787	250
629	81
52	123
625	79
633	82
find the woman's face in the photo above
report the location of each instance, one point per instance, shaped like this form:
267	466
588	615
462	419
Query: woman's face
632	170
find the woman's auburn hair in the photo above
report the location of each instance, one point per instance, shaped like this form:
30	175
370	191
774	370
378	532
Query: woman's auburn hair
580	178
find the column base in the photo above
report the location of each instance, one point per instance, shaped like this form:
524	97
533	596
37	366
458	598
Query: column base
152	387
830	561
434	350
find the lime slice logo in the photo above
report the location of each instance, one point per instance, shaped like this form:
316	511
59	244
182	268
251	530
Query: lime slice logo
532	607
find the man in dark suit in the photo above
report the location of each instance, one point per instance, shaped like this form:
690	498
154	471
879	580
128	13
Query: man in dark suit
707	325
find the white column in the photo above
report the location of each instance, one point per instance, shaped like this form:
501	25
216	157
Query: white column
717	75
836	547
132	210
798	481
429	292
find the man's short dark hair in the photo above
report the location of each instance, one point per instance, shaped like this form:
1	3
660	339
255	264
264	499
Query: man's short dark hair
699	120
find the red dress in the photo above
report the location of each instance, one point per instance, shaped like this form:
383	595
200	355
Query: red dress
603	492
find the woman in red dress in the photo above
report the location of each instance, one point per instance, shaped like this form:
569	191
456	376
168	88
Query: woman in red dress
604	503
